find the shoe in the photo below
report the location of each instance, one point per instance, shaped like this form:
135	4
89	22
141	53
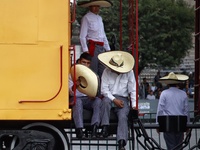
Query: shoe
105	131
94	131
121	144
79	133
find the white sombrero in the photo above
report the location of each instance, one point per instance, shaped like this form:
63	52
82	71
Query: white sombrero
173	78
101	3
89	81
119	61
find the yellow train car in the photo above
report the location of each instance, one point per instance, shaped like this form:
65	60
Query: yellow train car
34	64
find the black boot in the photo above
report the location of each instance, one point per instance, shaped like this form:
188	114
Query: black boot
94	131
105	131
79	133
121	144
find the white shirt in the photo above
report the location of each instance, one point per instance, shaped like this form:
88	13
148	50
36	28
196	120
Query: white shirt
92	28
71	83
149	96
173	101
153	88
122	85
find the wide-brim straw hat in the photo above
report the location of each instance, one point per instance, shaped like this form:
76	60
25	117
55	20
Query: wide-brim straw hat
101	3
173	78
89	81
119	61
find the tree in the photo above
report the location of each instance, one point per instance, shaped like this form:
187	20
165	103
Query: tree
165	30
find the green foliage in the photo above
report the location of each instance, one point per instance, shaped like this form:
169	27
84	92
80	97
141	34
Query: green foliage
165	29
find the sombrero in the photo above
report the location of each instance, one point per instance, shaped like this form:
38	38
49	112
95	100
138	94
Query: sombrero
173	78
89	81
119	61
101	3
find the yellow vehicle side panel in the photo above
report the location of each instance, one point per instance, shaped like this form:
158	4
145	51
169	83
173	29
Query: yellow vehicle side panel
38	114
19	21
34	59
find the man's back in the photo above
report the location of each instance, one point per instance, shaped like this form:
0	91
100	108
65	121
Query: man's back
173	101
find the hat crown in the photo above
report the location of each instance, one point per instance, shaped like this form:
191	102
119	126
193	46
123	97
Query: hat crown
172	76
117	60
101	3
93	1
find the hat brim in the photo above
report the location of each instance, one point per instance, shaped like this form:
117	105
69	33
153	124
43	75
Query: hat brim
101	3
180	78
129	61
89	81
168	81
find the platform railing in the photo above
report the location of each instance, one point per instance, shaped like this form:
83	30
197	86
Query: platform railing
150	126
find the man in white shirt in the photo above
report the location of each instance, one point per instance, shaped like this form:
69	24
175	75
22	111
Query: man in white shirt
84	102
173	102
92	35
118	86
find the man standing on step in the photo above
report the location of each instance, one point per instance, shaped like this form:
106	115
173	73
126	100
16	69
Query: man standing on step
92	35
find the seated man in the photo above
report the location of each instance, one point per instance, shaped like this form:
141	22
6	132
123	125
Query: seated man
117	85
84	102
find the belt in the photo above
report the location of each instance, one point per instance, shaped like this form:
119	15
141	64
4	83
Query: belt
92	46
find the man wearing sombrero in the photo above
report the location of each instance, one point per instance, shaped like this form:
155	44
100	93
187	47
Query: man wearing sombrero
92	35
86	83
173	102
118	86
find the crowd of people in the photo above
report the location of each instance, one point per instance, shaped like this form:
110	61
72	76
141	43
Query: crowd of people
153	90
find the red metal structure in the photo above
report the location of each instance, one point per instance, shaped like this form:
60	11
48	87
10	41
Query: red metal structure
197	58
133	36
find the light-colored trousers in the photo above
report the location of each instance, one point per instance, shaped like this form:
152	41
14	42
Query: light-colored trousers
122	114
86	103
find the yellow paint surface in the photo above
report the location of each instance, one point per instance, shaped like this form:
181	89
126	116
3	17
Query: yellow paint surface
32	68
